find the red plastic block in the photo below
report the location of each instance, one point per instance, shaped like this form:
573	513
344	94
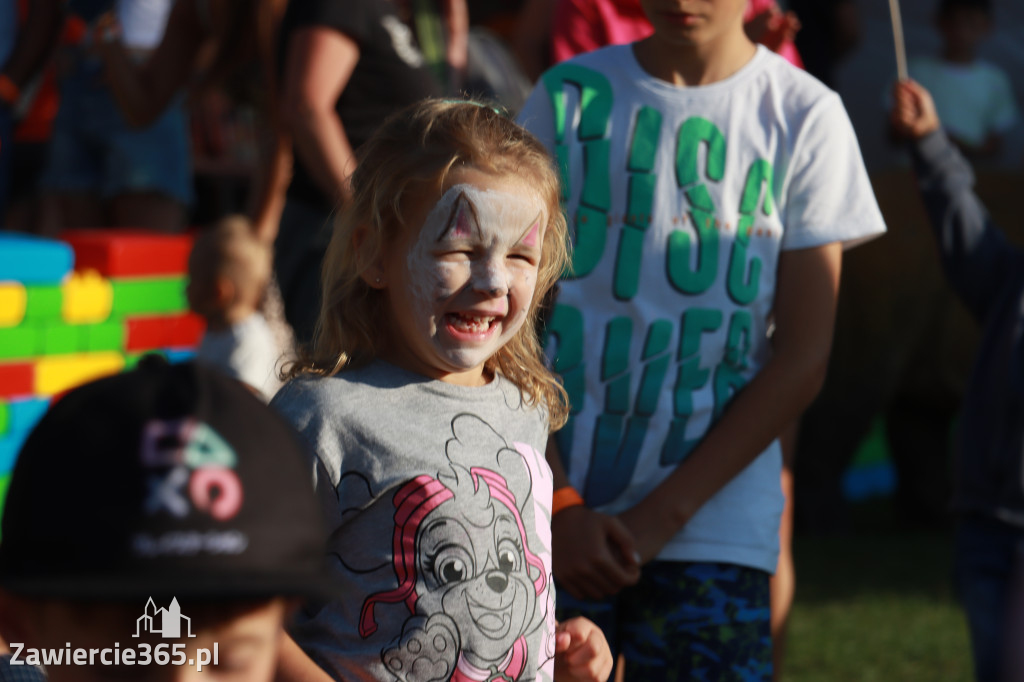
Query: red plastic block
16	379
129	253
166	331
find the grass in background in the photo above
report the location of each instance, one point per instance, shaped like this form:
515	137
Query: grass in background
876	605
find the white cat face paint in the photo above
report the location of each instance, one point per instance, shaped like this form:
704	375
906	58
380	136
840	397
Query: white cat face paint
459	288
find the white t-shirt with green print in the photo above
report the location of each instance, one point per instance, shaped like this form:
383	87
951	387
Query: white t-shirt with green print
680	200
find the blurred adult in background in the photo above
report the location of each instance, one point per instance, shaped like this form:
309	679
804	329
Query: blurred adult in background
347	65
830	30
100	169
25	46
206	43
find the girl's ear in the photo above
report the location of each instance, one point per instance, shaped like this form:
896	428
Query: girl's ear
369	259
225	291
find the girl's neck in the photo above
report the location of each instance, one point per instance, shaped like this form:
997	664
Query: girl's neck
692	65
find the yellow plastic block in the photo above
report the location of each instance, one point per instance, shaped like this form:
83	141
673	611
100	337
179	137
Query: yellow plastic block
88	298
58	373
12	303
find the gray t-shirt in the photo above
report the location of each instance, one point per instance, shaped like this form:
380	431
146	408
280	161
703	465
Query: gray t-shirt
438	501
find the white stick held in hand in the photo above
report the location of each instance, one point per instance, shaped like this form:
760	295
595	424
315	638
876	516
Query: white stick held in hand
897	36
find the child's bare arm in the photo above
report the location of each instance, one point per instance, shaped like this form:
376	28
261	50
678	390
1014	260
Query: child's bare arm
592	553
805	304
582	653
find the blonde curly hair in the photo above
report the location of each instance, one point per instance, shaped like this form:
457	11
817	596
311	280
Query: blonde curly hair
407	158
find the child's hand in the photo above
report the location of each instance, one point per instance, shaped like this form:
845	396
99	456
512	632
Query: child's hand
593	553
913	111
582	653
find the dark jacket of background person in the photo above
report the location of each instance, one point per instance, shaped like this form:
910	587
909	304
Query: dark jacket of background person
987	273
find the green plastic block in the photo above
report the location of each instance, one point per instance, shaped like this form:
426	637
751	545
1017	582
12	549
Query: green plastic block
19	342
43	302
5	417
103	336
59	339
5	482
149	296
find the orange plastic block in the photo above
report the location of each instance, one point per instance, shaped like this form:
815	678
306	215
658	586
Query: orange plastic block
129	253
87	298
58	373
166	331
13	300
16	379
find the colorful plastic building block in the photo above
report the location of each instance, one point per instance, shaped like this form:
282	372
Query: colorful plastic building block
17	343
33	260
87	297
149	296
130	253
169	331
12	303
103	336
5	481
42	302
9	447
23	414
17	379
61	372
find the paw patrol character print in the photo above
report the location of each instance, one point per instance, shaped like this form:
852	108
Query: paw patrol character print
466	574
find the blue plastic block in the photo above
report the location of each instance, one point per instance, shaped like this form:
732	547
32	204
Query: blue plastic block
179	354
9	447
23	414
33	260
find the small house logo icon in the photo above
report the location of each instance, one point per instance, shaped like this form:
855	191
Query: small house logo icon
164	622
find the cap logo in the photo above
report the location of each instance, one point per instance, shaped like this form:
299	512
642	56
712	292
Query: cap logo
192	467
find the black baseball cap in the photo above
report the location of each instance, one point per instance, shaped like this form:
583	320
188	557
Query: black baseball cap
165	480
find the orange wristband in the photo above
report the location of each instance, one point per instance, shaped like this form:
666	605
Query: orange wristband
564	498
9	90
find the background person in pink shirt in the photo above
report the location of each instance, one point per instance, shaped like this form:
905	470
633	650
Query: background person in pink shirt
584	25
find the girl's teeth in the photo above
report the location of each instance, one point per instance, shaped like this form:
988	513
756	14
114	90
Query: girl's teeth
472	324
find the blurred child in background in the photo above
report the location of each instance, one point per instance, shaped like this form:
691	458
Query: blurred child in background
973	97
987	273
229	270
167	486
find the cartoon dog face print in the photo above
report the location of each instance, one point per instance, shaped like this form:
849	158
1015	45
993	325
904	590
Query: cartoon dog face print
472	586
473	566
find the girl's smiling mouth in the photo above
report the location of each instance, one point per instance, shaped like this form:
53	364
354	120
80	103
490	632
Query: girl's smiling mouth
473	325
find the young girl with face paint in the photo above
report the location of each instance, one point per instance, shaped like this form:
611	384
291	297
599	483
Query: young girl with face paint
427	405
